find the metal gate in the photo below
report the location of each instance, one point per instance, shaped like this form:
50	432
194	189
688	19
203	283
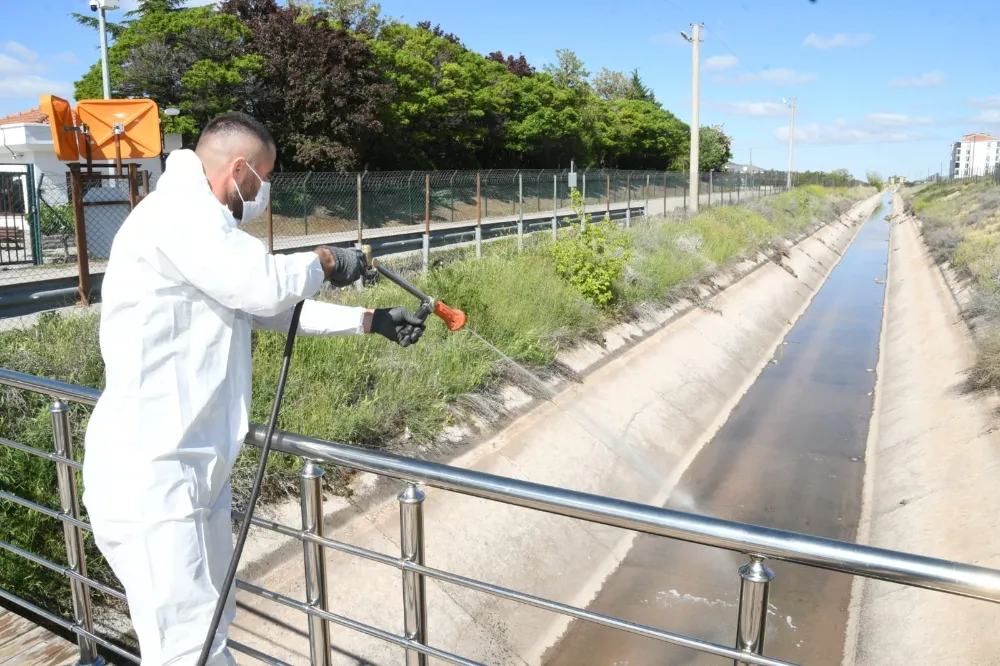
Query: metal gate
20	239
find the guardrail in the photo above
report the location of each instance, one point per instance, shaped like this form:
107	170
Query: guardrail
757	543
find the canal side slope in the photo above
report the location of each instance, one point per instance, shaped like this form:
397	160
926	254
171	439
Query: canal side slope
931	473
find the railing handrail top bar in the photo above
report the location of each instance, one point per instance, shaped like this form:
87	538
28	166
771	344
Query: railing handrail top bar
844	557
849	558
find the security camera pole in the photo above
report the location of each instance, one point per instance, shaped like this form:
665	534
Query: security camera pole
102	6
695	39
790	103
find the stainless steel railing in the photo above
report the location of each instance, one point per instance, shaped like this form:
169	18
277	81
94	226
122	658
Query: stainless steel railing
758	543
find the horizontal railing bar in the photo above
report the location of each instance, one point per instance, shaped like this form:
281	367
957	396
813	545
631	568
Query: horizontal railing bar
66	624
66	571
256	654
51	513
855	559
369	630
522	597
50	387
41	454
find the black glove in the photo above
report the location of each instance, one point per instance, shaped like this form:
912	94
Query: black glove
349	265
398	325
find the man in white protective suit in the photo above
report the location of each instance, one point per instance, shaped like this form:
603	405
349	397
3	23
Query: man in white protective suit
183	288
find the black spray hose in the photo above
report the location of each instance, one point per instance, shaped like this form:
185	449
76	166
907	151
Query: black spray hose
234	563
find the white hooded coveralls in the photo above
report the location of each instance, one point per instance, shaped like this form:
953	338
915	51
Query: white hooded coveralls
182	289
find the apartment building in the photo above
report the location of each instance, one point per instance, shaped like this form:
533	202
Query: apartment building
974	155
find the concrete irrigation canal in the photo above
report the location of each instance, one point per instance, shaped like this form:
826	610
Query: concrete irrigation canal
791	456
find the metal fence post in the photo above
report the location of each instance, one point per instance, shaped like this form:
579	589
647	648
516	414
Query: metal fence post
555	206
270	228
62	438
80	230
479	216
628	200
607	194
427	222
133	184
305	199
311	498
360	224
411	539
35	214
752	616
451	188
664	192
710	188
645	193
520	214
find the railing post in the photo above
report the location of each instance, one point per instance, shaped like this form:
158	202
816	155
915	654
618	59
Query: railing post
752	616
520	213
427	223
479	217
555	206
62	438
311	498
411	539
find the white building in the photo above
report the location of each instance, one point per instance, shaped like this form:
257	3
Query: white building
974	155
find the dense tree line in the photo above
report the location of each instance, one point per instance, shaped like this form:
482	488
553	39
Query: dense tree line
343	88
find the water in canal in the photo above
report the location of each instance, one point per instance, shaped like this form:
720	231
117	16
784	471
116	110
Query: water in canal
790	456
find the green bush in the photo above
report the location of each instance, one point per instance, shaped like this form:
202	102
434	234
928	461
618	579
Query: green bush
591	257
56	220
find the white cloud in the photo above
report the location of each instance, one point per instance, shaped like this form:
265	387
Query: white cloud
669	38
778	76
989	116
923	81
10	65
993	101
754	109
842	132
840	39
719	63
31	86
66	57
21	50
896	120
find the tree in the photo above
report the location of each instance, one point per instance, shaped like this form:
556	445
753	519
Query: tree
637	134
875	180
363	16
638	89
569	72
438	32
519	67
715	148
611	85
318	88
187	58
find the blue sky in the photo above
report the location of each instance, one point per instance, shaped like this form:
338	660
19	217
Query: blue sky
880	85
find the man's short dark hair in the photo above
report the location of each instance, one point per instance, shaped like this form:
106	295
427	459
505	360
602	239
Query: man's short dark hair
237	124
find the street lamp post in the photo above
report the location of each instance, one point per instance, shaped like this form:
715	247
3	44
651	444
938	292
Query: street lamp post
790	103
695	39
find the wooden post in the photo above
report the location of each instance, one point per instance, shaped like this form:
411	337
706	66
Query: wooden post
133	184
145	183
80	231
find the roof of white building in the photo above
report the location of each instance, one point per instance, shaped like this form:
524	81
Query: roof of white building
30	116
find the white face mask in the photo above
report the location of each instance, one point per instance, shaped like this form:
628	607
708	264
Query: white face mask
253	209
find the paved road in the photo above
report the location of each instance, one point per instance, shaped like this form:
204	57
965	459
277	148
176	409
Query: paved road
791	457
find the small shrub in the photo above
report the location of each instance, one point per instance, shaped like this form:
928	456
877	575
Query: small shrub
592	257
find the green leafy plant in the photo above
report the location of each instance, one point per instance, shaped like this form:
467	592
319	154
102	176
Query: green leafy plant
591	256
57	221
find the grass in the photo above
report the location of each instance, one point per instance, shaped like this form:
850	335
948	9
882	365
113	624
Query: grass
961	227
365	391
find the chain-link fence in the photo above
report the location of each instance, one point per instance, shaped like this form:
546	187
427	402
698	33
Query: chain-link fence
42	267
